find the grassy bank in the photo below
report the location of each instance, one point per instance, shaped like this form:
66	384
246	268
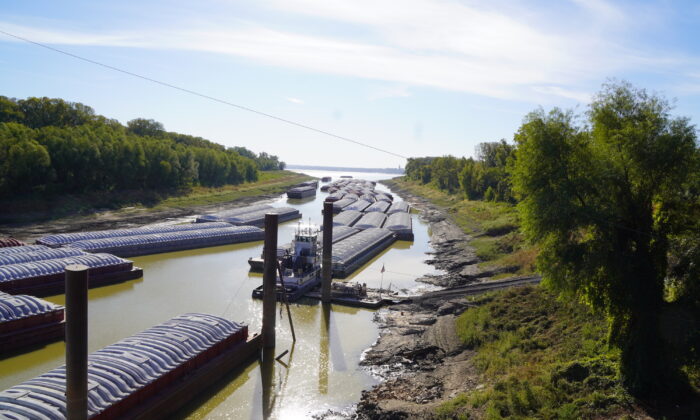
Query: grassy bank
38	208
540	357
493	225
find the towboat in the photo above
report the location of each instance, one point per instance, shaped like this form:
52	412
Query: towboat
301	270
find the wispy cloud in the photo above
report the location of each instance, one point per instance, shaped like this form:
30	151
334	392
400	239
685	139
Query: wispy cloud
436	43
294	100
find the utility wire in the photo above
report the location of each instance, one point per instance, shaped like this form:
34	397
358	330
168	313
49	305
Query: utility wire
202	95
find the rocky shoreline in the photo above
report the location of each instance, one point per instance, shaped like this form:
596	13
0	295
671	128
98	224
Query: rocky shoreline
418	354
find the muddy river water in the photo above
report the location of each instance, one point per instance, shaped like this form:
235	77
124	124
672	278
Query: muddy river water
321	370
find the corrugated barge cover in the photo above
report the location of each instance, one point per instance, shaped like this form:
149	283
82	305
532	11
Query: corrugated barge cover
339	233
341	204
66	238
131	371
335	196
257	218
40	255
23	249
346	218
374	219
349	254
16	308
9	242
368	197
358	205
128	246
398	206
401	224
97	263
379	206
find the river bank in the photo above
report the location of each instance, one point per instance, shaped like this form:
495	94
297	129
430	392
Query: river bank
419	356
169	210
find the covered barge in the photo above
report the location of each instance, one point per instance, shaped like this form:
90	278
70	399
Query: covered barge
26	321
222	215
63	239
47	277
347	218
349	254
370	220
301	192
257	218
398	206
148	375
129	246
401	224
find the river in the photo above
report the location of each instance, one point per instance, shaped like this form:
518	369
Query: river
320	372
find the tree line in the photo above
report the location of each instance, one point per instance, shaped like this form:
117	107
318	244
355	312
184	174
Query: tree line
485	177
611	199
54	146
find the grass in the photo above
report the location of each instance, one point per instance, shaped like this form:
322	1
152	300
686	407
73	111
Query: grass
494	226
540	358
36	208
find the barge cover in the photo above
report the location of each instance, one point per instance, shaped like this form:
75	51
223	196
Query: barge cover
398	206
129	246
147	375
401	224
373	219
349	254
47	277
67	238
27	320
347	218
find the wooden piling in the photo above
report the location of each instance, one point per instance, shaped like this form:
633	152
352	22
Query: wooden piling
269	281
76	341
327	269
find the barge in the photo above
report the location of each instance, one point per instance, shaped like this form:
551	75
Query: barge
401	224
379	206
351	253
301	271
222	215
129	246
47	277
359	205
148	375
398	206
326	179
301	192
62	239
27	321
339	205
370	220
10	242
347	218
257	218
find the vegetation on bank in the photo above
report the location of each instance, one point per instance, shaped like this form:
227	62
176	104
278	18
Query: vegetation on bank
50	147
493	225
611	202
32	209
540	357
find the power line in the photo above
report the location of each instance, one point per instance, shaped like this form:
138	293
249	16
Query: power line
202	95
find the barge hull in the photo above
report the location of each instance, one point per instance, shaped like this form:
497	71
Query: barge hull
56	284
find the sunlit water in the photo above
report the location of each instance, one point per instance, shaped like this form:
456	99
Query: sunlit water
322	369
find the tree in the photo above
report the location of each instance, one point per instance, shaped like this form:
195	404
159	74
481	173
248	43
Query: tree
601	203
144	127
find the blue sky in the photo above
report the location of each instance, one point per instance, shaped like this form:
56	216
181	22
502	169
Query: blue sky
417	77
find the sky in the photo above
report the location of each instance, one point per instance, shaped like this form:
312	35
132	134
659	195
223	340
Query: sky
414	77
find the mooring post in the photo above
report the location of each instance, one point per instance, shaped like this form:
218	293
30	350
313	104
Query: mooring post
327	252
269	280
76	341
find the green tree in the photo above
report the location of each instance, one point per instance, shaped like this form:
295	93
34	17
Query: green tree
601	203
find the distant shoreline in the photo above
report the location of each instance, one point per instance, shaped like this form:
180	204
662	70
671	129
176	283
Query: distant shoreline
338	168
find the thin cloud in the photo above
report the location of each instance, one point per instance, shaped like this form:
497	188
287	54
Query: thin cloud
294	100
433	43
